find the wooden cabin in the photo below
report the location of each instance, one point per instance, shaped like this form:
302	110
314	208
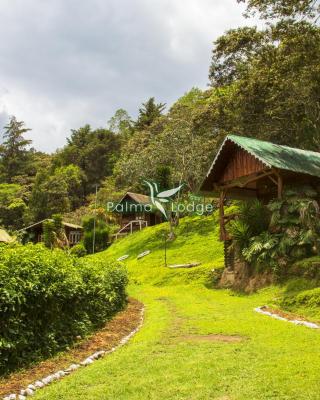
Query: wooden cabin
73	232
246	168
135	212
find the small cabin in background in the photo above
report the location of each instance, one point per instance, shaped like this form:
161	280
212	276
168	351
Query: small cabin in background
246	168
73	232
135	212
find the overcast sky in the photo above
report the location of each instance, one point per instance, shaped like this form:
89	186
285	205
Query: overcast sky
65	63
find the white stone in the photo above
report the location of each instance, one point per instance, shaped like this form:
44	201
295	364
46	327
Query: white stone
12	396
32	387
145	253
72	367
87	361
47	379
56	376
39	384
294	321
98	354
311	325
123	257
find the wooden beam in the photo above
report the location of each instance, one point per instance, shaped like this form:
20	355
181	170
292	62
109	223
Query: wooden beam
280	186
242	182
279	182
273	180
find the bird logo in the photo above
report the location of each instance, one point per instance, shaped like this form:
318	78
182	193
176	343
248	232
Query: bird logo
162	197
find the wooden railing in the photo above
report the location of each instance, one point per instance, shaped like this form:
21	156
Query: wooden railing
129	228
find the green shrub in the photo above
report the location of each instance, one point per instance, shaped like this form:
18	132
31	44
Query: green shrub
294	288
309	298
308	268
47	298
78	250
293	232
100	237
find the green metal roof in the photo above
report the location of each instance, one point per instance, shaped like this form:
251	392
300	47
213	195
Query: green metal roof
278	156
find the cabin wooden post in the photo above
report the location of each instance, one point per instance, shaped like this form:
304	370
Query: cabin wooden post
221	214
280	186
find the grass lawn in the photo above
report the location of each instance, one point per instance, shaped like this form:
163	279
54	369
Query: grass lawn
168	360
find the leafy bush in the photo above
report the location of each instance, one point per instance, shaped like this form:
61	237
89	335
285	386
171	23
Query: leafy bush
310	298
47	298
252	218
53	232
300	293
78	250
293	232
308	268
95	230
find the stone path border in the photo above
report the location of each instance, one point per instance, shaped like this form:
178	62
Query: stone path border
29	391
308	324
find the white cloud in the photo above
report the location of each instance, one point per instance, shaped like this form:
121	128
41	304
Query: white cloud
65	62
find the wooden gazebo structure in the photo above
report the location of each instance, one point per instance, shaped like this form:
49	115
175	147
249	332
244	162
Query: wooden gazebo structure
247	168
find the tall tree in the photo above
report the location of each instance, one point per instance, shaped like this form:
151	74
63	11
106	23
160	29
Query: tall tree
176	141
266	83
93	151
121	123
282	9
56	191
12	205
14	150
148	113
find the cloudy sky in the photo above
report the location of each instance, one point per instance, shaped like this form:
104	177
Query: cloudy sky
65	63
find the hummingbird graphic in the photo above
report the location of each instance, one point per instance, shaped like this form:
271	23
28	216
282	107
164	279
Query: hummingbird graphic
162	197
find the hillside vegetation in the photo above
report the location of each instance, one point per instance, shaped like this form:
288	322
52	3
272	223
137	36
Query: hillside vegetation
196	240
196	342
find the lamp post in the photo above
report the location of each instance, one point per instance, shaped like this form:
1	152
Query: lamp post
165	249
94	222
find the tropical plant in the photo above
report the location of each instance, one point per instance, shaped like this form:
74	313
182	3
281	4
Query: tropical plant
53	233
252	218
293	232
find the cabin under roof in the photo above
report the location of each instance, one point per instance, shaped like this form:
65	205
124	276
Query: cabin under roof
63	223
137	198
247	168
240	157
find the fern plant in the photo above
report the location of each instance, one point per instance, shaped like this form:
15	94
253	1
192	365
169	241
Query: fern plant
252	219
293	232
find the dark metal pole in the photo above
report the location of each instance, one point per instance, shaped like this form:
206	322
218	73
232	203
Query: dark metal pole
165	250
94	222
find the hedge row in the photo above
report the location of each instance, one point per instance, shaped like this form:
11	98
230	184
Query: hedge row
48	298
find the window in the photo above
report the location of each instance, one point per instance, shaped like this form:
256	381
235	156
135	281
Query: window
74	237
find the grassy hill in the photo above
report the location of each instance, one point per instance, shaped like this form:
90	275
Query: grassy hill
196	241
196	342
